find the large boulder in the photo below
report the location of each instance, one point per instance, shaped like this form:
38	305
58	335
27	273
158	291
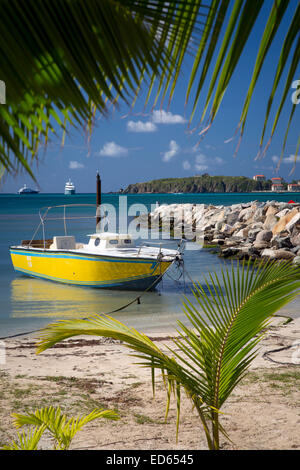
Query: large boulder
270	222
246	214
283	254
295	238
243	233
281	242
283	212
283	221
227	229
294	222
268	253
264	236
229	252
258	215
260	245
252	233
278	254
232	217
272	210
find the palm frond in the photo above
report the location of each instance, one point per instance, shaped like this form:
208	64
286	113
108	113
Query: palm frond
26	440
64	60
60	427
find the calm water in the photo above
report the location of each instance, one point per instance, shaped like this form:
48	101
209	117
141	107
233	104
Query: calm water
27	304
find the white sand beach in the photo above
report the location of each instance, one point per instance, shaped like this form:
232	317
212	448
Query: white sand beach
83	373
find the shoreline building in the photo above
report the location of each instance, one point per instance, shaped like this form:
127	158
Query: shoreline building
259	177
277	180
277	187
293	187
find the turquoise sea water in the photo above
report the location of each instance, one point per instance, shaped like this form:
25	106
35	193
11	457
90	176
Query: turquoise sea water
28	304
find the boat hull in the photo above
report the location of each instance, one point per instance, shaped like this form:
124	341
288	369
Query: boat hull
31	191
107	272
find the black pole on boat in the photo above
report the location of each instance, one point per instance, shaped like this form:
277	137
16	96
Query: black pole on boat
98	202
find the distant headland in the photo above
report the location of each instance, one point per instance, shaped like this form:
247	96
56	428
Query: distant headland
213	184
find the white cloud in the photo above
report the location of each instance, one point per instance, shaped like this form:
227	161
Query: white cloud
201	167
186	165
166	117
173	150
74	165
140	126
111	149
201	159
288	160
202	162
210	147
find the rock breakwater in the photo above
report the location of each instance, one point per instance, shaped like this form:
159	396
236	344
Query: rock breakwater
269	230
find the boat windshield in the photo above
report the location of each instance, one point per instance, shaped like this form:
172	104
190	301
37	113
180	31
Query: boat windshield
61	215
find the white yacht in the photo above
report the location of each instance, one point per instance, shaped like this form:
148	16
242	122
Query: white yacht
69	187
26	190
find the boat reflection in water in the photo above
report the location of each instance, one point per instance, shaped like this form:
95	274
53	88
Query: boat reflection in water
38	298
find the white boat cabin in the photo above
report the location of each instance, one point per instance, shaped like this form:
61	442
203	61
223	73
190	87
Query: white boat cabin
108	240
117	244
98	241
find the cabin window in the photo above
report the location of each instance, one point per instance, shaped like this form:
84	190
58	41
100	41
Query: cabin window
97	241
113	242
127	241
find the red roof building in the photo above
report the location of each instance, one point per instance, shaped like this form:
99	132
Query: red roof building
259	177
277	187
293	187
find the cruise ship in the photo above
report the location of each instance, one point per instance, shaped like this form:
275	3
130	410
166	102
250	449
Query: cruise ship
69	187
26	190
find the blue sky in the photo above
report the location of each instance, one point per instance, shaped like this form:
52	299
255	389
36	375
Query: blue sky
141	145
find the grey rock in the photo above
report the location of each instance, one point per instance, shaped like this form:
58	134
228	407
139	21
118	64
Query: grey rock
245	214
218	241
228	252
232	218
261	245
226	228
264	236
281	242
270	221
243	233
283	254
230	242
268	253
258	215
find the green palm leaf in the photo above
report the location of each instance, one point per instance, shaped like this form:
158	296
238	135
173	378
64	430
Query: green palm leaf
26	440
213	355
64	60
60	427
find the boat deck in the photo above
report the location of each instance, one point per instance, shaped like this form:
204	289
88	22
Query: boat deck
143	252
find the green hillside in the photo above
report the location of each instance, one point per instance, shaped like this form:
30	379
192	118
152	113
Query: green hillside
200	184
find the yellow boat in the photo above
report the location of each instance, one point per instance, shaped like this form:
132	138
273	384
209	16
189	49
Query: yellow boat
108	260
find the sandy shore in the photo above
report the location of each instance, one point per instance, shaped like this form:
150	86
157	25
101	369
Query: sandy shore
83	373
